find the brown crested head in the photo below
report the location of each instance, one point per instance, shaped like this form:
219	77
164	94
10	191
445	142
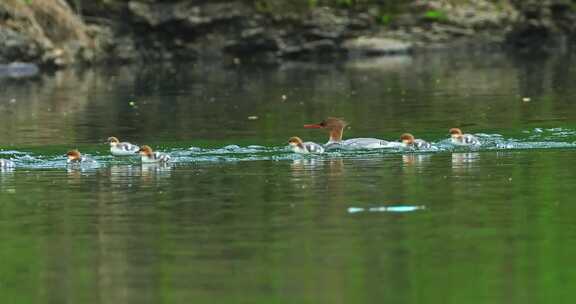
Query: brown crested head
328	123
145	150
295	140
73	155
407	138
113	140
333	122
455	132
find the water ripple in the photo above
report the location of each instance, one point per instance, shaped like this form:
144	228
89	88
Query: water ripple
537	138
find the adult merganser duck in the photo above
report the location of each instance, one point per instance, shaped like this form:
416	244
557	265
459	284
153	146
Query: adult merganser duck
74	157
6	164
118	148
336	128
304	147
149	156
409	141
460	139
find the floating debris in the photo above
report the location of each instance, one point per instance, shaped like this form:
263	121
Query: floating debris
386	209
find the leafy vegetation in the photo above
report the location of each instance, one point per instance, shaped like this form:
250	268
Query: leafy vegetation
435	15
385	19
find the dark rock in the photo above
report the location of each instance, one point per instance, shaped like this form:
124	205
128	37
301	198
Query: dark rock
454	31
187	14
255	40
17	46
543	25
529	34
325	23
317	33
140	30
124	50
361	21
309	48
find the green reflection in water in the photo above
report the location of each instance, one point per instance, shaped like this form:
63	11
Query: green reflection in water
497	226
280	232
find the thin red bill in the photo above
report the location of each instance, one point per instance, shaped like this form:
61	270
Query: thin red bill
313	126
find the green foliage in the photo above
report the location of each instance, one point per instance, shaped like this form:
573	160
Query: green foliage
312	3
385	19
345	3
261	6
435	15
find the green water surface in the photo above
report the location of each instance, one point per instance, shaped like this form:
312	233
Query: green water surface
262	225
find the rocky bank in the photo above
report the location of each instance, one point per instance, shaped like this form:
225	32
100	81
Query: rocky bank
59	33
